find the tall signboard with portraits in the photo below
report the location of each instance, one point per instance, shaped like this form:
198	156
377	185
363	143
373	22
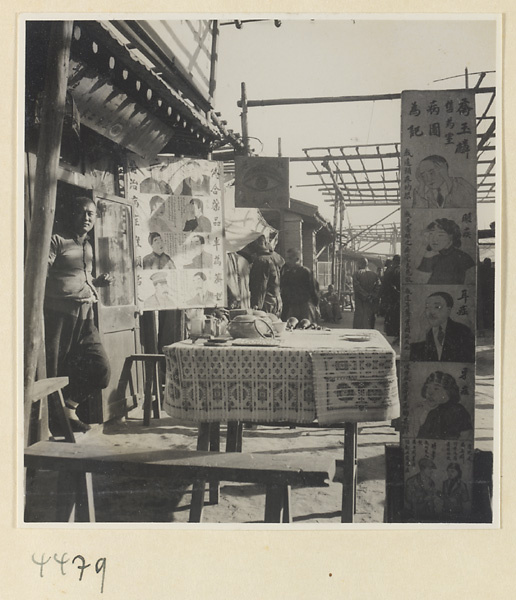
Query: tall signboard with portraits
178	232
437	371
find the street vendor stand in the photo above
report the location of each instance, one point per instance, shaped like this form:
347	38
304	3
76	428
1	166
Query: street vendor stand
334	377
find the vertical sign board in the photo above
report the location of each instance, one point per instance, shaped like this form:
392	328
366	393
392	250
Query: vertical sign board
438	201
179	233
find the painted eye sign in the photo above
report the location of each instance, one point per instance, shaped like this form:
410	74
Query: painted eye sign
262	182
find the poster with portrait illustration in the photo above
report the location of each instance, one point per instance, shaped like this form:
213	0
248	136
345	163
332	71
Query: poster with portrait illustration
438	162
438	480
440	323
179	215
438	401
439	149
442	246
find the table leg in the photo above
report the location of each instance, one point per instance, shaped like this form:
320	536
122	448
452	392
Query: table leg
349	474
232	436
239	435
197	504
214	447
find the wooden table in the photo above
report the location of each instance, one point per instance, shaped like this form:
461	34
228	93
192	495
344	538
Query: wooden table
334	377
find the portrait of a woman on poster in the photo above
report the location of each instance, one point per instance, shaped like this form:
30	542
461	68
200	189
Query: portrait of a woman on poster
443	258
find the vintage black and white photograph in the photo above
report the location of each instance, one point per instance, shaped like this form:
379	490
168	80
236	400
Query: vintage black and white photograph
259	269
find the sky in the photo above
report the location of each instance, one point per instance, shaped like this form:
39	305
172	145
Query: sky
353	56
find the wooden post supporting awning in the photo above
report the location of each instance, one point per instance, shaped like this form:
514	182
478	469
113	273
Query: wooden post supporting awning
38	245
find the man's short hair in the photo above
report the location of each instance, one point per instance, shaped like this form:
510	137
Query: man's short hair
200	238
445	296
426	463
198	203
80	201
438	161
201	275
155	201
152	236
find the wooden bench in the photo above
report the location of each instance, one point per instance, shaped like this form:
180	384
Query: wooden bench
277	472
152	386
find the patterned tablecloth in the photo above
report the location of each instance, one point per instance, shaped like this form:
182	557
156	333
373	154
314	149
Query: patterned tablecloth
333	376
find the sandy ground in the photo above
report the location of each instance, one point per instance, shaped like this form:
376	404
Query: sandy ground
132	500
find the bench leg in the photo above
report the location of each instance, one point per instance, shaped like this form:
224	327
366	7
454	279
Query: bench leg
275	497
147	402
214	447
30	476
125	377
156	412
287	512
349	473
75	498
234	436
197	504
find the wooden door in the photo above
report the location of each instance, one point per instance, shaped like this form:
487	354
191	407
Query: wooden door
117	313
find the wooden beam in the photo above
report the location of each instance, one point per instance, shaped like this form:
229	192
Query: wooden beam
38	246
333	99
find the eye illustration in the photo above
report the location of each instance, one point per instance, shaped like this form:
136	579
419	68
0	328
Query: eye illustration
262	180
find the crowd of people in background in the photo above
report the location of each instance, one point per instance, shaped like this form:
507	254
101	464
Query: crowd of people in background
266	281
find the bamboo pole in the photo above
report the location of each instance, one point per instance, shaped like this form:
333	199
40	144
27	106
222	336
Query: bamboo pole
38	245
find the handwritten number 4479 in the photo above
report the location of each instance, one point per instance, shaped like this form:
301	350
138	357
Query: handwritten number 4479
78	561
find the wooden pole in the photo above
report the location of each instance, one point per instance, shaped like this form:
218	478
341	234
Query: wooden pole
326	99
38	245
334	249
243	116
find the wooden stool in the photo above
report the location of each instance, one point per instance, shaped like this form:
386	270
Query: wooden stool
51	390
152	386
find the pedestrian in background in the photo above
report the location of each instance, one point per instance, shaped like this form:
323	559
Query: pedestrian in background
366	286
298	289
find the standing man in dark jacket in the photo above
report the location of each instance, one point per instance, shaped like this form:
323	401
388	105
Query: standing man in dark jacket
264	279
298	289
366	286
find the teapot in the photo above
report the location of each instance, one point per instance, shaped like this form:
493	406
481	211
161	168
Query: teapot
250	326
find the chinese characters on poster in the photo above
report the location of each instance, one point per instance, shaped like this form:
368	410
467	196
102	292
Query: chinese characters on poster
178	233
438	305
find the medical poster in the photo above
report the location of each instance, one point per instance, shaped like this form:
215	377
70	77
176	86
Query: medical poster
438	163
179	232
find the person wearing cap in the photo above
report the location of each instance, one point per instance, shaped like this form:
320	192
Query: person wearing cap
366	286
158	258
72	342
162	298
421	496
446	340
